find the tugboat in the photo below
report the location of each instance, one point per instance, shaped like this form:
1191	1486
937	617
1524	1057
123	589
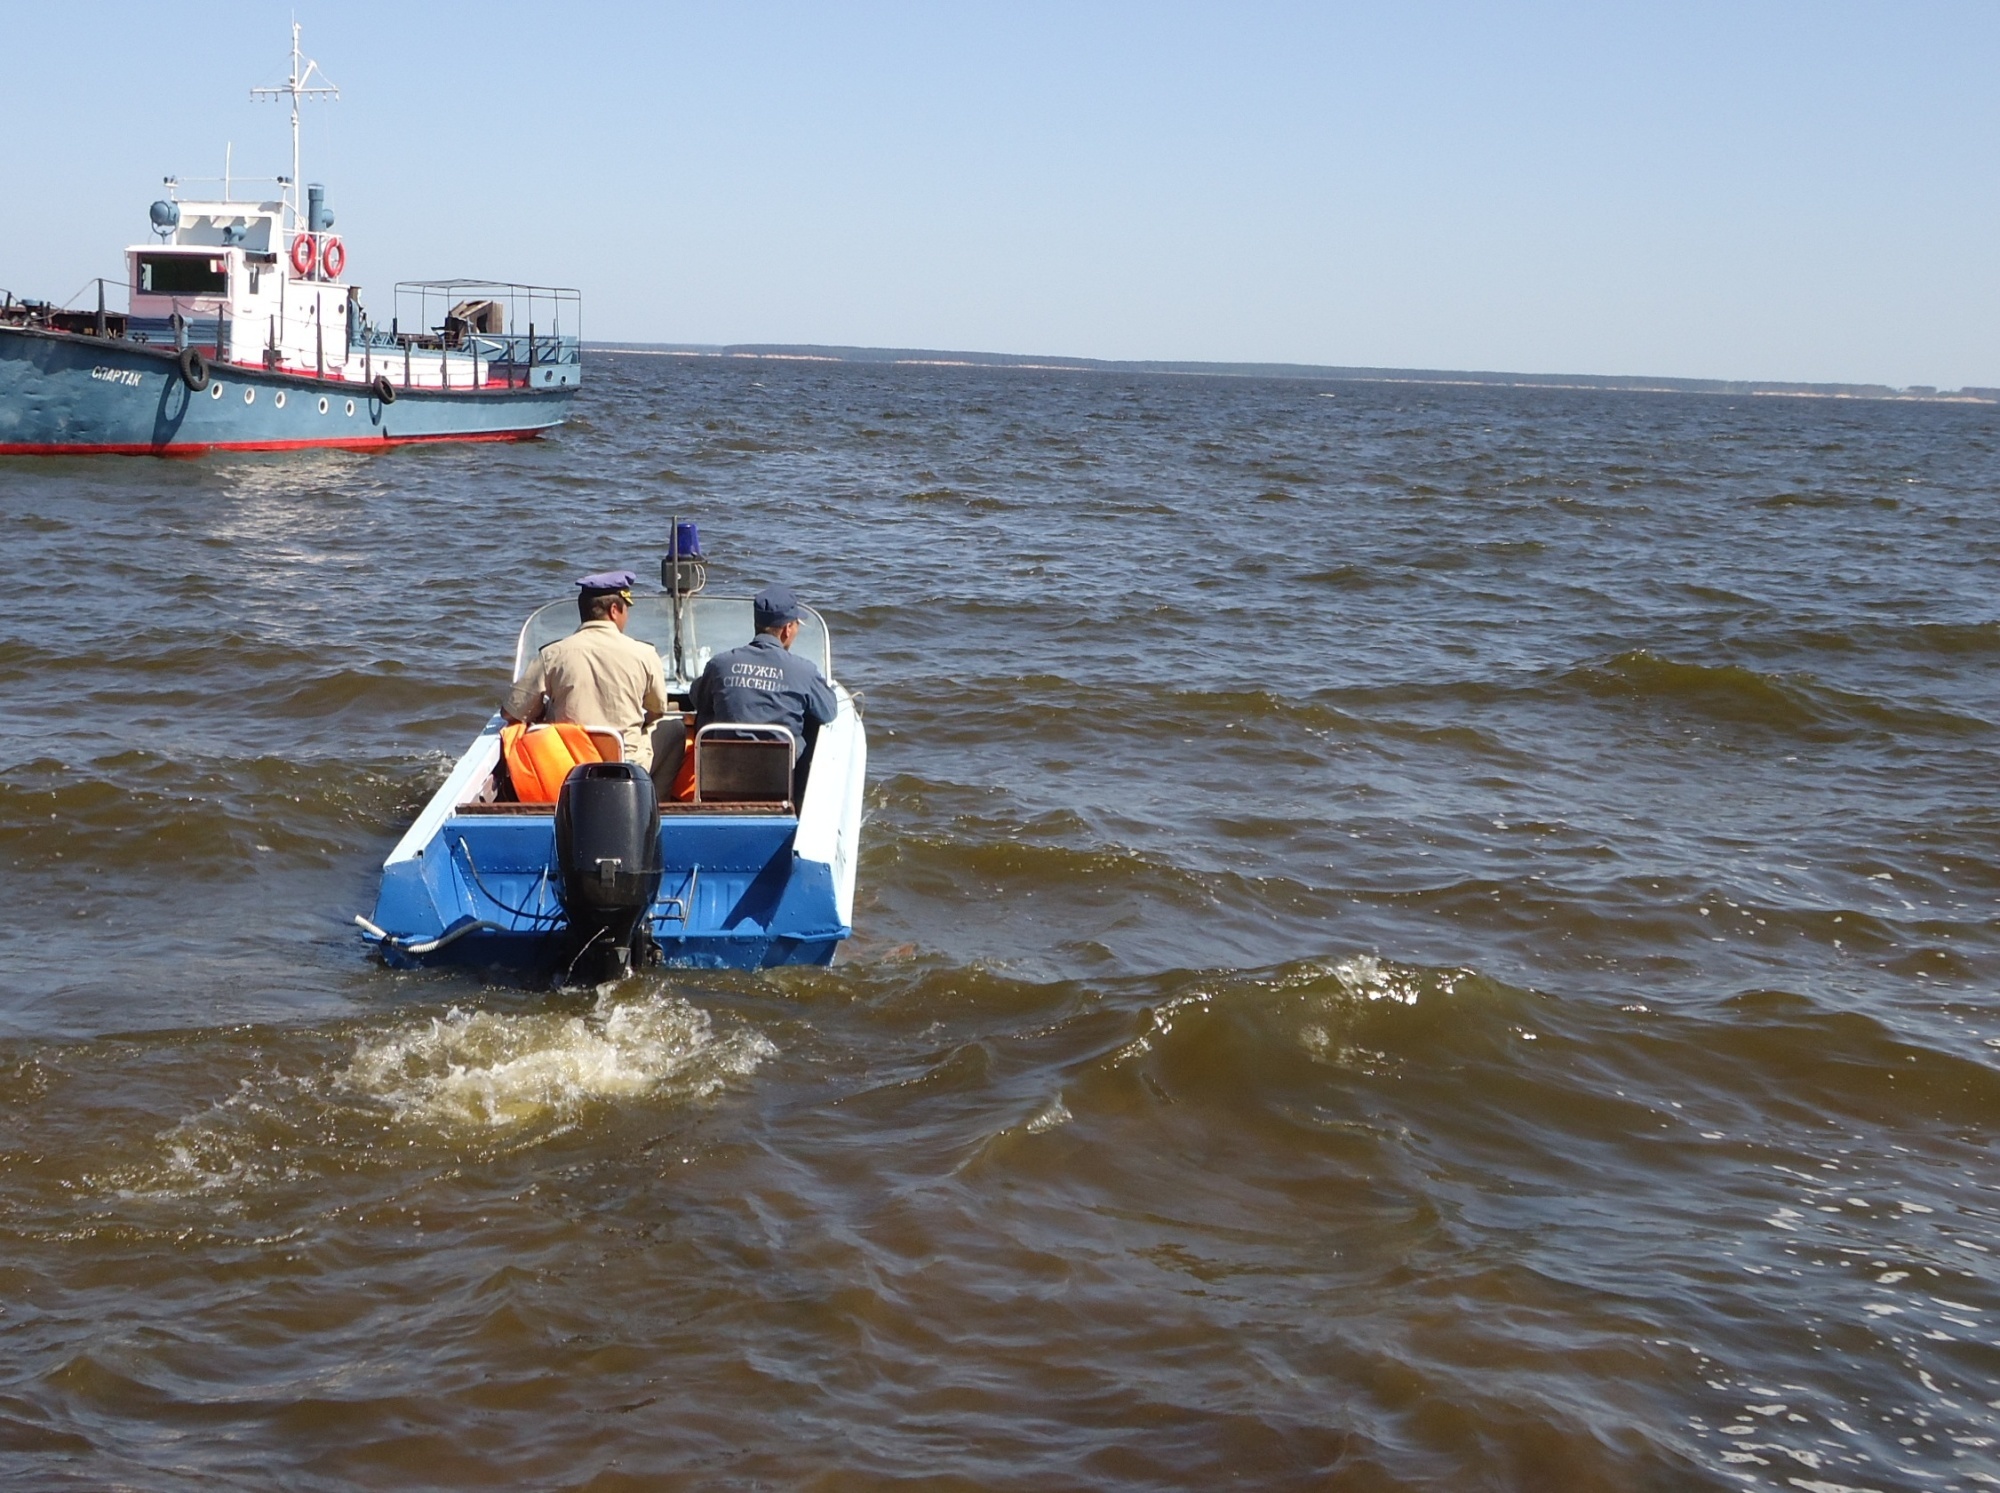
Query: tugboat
243	333
607	878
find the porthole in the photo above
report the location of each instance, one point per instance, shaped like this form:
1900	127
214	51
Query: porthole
249	394
215	391
279	399
322	404
350	409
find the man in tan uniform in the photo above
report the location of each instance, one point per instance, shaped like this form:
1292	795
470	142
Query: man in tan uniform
597	676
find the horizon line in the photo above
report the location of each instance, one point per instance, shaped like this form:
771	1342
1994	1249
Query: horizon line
806	352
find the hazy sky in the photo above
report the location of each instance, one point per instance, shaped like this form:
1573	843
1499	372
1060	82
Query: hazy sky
1740	190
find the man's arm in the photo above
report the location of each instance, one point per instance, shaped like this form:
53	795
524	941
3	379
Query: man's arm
524	700
822	704
703	695
655	703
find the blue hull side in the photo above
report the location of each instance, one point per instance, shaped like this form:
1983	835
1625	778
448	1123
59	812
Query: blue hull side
735	895
65	394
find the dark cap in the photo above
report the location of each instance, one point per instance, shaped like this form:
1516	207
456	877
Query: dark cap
775	606
608	580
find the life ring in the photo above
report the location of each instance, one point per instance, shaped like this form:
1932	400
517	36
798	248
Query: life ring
304	252
194	369
332	259
384	390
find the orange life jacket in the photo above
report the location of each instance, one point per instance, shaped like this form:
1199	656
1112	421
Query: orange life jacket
683	790
539	757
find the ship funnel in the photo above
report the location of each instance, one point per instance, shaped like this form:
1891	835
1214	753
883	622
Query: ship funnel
319	217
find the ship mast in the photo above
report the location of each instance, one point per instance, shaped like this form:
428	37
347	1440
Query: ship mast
299	85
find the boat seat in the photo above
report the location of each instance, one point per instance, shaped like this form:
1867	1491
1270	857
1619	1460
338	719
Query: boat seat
736	762
540	756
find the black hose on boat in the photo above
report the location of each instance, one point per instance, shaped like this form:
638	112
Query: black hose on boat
544	918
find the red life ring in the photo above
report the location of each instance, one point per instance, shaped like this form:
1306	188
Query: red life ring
303	253
332	259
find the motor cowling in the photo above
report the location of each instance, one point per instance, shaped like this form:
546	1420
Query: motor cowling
607	867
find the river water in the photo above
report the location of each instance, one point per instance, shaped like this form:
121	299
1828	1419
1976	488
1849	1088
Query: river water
1408	937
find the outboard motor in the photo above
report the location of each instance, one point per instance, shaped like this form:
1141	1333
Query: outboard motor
607	867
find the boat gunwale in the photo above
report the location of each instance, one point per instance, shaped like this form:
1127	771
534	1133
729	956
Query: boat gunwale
762	808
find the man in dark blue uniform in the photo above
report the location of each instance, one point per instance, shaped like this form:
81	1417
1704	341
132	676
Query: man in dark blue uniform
762	683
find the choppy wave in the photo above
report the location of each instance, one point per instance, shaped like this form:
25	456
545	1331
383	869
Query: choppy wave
126	810
1737	695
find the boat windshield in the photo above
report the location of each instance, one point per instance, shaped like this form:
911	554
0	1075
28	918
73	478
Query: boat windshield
710	625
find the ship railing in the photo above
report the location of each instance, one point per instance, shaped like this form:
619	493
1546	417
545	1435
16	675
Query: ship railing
524	351
529	348
18	311
476	359
212	335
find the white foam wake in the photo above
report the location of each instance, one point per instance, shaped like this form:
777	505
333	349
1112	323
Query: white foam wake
489	1069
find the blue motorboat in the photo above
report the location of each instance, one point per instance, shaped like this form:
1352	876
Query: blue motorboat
241	331
610	877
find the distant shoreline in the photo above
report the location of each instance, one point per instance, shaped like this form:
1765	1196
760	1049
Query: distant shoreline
1305	372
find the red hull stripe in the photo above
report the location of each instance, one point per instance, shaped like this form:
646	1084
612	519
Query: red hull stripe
359	443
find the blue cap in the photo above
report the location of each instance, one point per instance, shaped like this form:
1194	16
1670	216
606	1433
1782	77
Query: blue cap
608	580
775	606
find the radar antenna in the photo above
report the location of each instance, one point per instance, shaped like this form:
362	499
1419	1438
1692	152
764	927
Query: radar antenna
299	85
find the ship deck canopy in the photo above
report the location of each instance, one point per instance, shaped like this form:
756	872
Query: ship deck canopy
455	309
